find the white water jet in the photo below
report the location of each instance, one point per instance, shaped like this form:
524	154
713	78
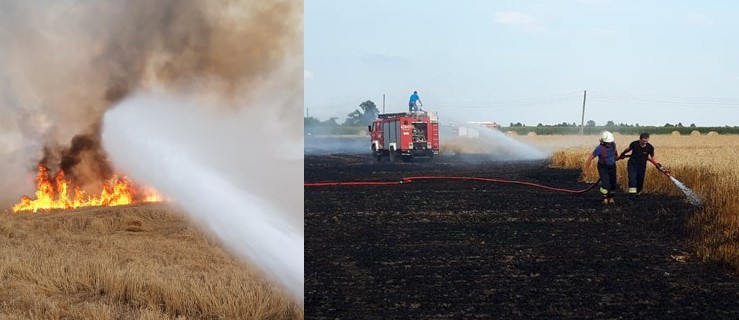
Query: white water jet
515	149
178	149
491	142
693	197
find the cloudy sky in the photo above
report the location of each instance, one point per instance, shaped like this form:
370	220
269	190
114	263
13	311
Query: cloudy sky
646	62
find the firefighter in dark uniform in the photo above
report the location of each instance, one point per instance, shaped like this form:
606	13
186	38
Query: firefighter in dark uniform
641	150
607	155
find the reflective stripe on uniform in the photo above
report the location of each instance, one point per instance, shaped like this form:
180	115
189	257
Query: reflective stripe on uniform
603	191
632	190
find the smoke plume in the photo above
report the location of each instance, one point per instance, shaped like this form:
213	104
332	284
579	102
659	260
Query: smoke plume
199	99
64	63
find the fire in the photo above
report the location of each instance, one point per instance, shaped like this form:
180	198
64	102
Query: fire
55	194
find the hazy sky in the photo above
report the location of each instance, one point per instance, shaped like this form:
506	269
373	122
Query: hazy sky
646	62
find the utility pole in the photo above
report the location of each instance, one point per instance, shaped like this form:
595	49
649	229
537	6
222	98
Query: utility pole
307	112
582	121
383	103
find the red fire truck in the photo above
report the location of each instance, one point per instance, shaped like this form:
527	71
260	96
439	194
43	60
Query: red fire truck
405	135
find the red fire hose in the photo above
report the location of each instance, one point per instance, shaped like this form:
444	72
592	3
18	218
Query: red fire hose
407	180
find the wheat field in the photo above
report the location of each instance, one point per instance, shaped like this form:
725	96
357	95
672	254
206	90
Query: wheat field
130	262
705	163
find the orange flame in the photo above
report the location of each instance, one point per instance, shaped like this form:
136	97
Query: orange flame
115	192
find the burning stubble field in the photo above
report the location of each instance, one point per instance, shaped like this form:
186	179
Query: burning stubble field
128	262
464	249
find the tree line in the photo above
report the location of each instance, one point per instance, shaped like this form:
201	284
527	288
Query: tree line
630	130
358	120
609	123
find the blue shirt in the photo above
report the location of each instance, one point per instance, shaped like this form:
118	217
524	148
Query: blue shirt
414	98
610	154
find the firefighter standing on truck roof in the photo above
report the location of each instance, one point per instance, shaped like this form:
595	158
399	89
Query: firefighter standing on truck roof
412	103
641	151
607	155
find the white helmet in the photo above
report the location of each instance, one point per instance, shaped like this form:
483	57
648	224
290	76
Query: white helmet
606	136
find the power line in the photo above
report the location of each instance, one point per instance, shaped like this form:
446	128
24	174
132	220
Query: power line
602	97
665	100
516	102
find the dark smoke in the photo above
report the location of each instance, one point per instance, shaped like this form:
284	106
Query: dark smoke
64	63
176	41
72	156
85	162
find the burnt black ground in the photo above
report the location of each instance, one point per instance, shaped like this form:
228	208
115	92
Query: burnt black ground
460	249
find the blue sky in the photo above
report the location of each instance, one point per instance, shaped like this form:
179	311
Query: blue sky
646	62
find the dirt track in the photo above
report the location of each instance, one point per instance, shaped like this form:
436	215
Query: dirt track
461	249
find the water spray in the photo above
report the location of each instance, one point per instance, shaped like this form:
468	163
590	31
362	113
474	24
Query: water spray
493	142
693	197
147	137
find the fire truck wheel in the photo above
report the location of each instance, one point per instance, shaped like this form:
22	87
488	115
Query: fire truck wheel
377	155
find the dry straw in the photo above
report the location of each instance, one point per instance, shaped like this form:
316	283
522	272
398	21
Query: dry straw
139	262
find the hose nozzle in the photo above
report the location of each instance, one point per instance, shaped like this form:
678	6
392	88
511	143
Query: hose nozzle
661	168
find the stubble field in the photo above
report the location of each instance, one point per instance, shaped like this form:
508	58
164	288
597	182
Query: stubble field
128	262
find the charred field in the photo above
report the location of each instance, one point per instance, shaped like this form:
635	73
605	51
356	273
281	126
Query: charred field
468	249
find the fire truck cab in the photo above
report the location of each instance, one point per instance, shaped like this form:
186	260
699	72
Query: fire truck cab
408	135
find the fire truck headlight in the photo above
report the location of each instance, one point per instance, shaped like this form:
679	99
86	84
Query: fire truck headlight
410	145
